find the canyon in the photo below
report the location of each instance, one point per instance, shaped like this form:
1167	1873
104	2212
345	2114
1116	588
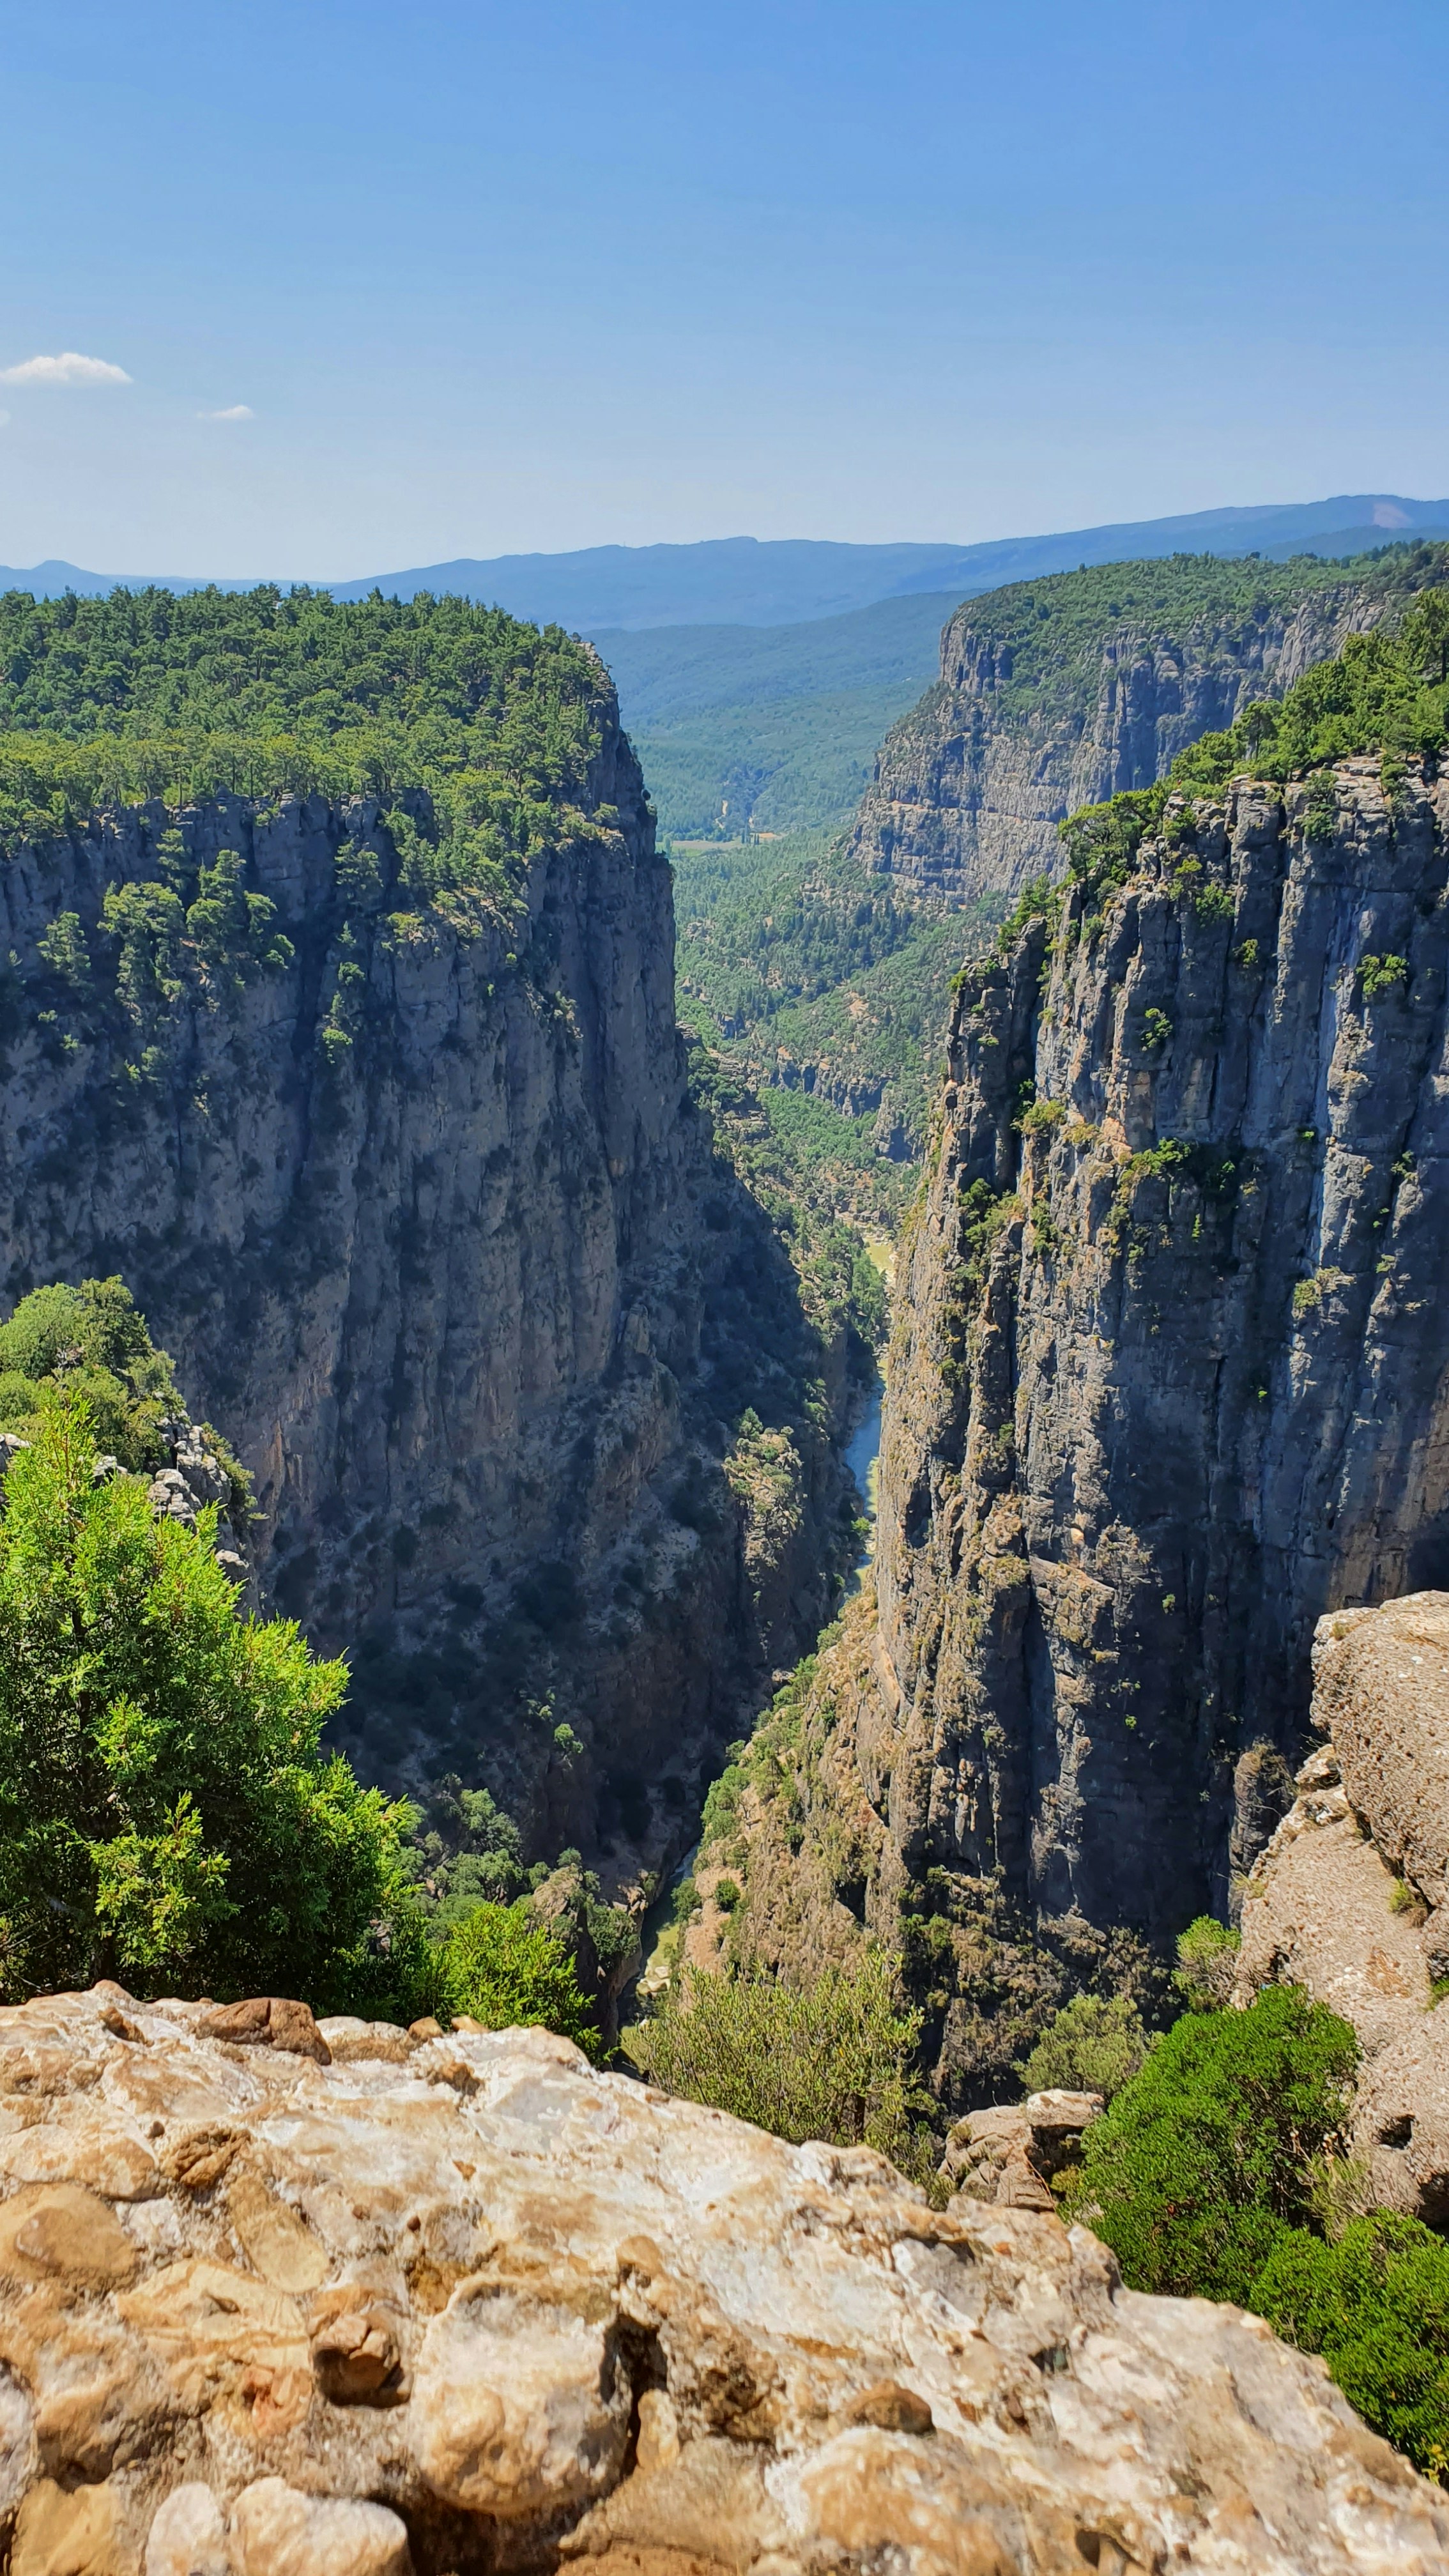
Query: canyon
409	1181
1065	693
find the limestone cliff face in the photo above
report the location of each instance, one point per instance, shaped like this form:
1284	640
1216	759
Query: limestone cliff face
411	1186
1171	1379
1169	1382
278	2301
971	785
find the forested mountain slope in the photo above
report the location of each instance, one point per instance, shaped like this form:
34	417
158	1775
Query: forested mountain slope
338	1019
771	728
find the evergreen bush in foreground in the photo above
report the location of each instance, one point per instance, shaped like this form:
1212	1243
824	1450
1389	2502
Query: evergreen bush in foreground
1204	2158
1376	2305
167	1812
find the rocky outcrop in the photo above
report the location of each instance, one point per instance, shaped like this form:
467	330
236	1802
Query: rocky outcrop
458	2303
192	1478
1168	1383
971	785
1347	1900
407	1177
1009	2153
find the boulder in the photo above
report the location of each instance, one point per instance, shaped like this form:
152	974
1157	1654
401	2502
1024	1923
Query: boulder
267	2021
460	2302
1007	2155
1381	1695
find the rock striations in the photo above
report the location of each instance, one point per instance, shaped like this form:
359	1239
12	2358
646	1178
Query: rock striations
290	2301
410	1184
971	785
1169	1383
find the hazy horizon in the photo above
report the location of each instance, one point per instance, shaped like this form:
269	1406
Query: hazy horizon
325	290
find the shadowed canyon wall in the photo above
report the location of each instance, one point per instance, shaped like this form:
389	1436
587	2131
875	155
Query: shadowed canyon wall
1169	1381
412	1188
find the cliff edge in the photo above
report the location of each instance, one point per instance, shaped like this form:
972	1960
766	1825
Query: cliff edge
286	2300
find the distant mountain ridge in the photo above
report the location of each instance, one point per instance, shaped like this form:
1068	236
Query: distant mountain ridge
748	581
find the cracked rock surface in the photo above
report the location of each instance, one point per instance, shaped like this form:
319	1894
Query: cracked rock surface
1347	1899
461	2303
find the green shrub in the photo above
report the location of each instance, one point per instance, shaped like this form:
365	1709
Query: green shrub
507	1970
1378	975
1207	1963
167	1812
1095	2044
91	1340
1376	2305
1204	2157
829	2060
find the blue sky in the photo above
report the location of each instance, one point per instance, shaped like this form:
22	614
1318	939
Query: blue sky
499	277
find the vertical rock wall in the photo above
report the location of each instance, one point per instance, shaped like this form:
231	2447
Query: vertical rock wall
971	785
411	1187
1170	1380
1172	1377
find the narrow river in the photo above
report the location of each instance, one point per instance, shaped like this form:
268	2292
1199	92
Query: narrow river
862	1457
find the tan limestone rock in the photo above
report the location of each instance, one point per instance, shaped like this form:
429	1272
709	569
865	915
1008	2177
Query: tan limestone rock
417	2328
1339	1902
1381	1693
267	2021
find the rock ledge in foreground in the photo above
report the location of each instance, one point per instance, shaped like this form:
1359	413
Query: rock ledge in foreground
466	2304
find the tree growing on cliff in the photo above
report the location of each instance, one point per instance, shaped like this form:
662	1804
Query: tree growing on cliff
1095	2044
167	1812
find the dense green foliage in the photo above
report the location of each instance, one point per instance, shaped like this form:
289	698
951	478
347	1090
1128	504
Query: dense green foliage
1204	2156
795	961
145	694
1383	693
508	1970
829	2060
1095	2044
771	726
1376	2305
1216	2174
463	1851
92	1341
166	1810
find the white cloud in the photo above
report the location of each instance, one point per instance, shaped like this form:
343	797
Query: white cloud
69	368
4	419
233	411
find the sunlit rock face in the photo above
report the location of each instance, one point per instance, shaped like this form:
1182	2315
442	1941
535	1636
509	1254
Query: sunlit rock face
971	785
1170	1379
1349	1897
336	2299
